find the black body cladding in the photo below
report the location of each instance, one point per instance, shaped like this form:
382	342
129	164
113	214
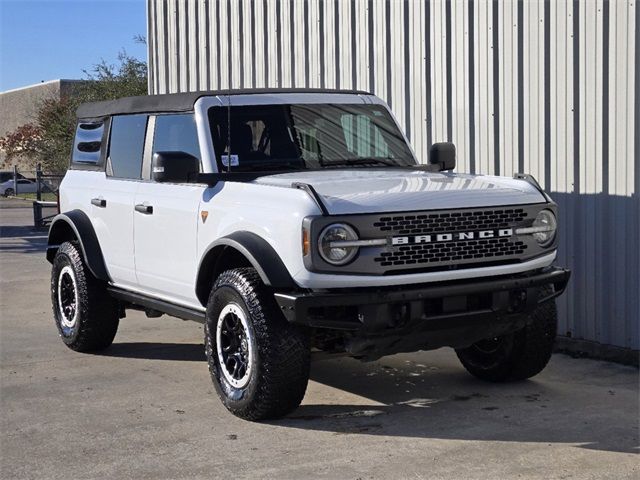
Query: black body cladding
76	225
259	254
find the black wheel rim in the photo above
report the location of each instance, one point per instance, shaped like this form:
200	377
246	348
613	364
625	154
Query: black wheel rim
489	353
489	345
234	345
67	299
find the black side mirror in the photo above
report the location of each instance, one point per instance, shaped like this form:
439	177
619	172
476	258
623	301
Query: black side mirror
444	155
175	167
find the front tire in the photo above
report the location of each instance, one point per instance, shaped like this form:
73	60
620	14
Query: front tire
259	363
87	317
516	356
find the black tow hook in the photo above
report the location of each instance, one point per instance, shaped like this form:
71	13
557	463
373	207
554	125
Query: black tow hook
518	301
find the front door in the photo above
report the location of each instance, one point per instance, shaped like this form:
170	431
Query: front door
166	228
166	220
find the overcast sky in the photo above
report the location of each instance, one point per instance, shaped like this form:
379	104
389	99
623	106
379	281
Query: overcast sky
44	40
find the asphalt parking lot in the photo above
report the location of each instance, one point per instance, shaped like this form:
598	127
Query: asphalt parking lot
146	408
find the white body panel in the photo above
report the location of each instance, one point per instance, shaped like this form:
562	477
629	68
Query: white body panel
165	241
274	214
113	224
114	227
370	191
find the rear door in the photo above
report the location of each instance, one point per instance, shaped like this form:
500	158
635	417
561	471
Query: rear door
166	223
113	199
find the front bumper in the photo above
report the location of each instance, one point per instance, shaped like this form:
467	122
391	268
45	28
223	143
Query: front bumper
353	309
382	321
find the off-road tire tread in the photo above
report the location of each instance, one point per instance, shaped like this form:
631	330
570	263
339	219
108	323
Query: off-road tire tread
535	342
99	314
532	347
283	348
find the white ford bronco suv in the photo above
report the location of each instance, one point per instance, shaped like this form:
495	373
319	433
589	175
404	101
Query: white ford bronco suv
288	221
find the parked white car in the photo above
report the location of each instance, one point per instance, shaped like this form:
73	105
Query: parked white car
290	220
23	185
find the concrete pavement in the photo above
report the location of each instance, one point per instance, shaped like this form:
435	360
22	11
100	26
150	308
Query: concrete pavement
146	407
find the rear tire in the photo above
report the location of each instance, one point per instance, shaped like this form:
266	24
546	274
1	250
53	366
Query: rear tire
9	192
86	315
516	356
259	362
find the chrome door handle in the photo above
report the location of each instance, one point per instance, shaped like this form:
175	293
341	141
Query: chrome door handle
146	209
99	202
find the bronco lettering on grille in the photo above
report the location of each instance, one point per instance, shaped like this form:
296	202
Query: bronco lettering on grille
450	237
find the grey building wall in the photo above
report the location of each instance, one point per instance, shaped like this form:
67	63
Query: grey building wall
545	87
19	106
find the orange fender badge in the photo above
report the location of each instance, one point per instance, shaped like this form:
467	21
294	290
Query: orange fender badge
204	214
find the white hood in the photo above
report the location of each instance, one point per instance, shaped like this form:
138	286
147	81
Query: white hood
348	191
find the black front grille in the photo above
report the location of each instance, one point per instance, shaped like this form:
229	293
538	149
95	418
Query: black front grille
450	222
462	251
451	251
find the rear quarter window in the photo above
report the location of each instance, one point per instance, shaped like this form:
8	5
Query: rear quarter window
88	144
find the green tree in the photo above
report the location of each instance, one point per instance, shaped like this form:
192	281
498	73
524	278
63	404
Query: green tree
50	135
108	82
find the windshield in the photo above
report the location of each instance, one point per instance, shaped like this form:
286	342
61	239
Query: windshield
306	136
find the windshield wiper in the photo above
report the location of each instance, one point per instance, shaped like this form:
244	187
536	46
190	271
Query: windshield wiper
389	162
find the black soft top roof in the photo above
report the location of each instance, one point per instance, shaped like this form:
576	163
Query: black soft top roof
180	102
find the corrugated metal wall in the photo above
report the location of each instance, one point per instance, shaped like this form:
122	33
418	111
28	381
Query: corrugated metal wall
544	87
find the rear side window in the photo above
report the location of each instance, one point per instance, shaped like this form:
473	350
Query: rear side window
88	142
176	133
126	146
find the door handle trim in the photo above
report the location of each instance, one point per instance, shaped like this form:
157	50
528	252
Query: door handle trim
99	202
146	209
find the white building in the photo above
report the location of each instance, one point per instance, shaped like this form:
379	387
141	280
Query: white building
543	87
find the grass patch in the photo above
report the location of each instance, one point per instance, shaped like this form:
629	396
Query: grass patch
46	197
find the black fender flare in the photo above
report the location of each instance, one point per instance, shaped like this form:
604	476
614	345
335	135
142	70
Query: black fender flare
257	251
78	223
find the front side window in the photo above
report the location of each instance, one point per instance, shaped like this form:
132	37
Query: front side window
126	145
176	133
306	136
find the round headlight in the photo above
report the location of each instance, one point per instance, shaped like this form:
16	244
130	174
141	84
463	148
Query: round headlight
545	224
329	244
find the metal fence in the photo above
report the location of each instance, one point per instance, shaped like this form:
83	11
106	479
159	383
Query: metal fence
39	186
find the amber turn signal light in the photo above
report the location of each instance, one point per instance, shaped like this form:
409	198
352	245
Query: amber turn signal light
306	243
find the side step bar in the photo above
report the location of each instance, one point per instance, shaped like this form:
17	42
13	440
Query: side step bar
185	313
